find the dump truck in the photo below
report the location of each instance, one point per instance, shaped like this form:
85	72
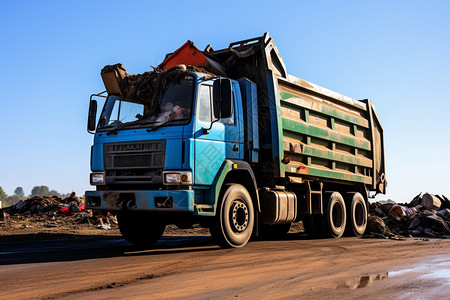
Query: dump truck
229	140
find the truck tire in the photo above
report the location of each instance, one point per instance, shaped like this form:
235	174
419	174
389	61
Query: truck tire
357	214
235	218
335	215
140	229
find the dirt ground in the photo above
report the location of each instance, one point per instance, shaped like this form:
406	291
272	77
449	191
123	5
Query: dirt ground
192	267
55	255
42	227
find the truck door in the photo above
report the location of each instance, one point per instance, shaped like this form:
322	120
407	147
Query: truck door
223	140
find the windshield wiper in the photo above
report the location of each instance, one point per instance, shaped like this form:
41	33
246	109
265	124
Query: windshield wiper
143	121
166	123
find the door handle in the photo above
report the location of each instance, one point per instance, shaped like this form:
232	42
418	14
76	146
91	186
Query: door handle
235	148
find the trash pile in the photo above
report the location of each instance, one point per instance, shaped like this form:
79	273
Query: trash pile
425	215
142	87
38	204
55	212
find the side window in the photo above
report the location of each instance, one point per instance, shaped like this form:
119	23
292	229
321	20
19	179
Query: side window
204	107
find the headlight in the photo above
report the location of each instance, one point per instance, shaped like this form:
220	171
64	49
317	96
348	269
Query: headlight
173	177
97	178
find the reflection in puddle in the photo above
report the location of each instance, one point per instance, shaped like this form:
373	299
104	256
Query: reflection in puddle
435	269
441	271
363	281
400	272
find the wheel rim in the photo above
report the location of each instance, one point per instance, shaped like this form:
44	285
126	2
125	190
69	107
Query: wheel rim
239	215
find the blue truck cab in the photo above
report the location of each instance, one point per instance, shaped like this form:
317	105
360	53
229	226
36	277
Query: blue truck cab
170	167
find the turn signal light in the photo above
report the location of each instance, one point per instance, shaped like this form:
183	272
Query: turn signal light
286	160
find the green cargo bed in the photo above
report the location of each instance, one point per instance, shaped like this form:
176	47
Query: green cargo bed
328	135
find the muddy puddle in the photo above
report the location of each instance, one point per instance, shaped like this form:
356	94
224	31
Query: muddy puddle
436	269
432	274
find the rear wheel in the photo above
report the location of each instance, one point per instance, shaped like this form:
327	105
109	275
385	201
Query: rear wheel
357	214
335	215
142	230
233	225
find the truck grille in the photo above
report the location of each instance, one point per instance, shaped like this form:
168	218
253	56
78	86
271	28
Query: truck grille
134	162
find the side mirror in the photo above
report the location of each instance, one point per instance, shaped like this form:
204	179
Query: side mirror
92	116
222	98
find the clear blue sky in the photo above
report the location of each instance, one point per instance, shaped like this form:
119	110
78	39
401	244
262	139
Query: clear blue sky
396	53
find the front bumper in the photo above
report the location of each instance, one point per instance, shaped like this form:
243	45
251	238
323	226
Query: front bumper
182	200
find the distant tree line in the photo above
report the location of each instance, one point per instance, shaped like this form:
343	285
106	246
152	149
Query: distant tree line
19	194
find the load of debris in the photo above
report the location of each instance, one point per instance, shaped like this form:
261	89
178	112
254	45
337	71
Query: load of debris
146	87
425	215
143	87
55	211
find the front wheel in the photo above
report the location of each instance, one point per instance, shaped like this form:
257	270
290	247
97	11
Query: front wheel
233	225
140	229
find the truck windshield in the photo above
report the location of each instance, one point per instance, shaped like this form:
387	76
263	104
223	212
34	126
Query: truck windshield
174	105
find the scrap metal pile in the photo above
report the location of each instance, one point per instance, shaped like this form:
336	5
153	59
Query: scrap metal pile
425	215
54	212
